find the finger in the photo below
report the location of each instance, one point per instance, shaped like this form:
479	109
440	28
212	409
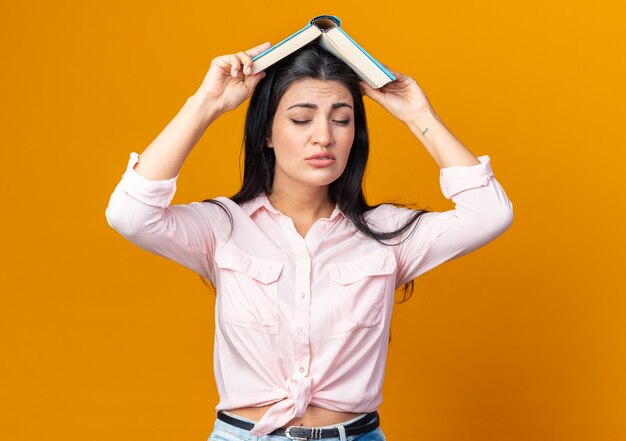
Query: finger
246	61
369	91
235	64
399	75
222	62
364	86
252	80
258	49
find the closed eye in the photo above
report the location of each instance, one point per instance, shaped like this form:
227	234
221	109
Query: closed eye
344	122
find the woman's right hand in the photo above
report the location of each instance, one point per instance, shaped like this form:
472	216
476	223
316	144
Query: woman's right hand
229	81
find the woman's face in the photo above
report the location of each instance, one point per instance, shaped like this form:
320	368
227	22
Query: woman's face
313	117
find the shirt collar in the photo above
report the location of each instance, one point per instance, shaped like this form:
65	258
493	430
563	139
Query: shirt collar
262	201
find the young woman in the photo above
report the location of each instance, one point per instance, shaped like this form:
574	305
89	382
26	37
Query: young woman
305	270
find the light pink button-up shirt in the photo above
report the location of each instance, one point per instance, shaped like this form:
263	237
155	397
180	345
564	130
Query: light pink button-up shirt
304	321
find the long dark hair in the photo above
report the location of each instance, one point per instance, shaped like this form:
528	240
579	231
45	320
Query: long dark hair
311	61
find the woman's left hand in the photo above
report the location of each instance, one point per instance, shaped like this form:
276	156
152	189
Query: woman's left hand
403	98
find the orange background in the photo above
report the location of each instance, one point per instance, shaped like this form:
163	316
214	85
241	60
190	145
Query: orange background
523	339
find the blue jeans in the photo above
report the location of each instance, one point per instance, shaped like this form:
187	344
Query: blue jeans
223	431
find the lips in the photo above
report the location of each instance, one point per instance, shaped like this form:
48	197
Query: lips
322	156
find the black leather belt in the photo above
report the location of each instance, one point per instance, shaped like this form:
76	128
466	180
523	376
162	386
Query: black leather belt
371	420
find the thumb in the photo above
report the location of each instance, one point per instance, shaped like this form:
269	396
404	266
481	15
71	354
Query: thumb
372	93
252	80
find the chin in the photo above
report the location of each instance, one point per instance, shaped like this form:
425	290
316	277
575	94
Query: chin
323	181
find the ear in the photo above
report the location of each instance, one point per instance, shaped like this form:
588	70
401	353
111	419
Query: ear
268	142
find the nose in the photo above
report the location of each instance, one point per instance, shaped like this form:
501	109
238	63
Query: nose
323	133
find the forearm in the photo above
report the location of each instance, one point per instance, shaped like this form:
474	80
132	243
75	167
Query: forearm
164	157
442	145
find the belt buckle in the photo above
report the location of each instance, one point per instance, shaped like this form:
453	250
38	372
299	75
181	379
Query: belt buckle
297	438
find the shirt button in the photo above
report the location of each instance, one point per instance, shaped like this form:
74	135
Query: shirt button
301	369
301	333
302	295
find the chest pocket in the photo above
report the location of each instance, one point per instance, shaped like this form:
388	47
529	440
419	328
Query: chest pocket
358	293
248	290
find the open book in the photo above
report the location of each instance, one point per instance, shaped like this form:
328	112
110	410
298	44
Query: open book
335	40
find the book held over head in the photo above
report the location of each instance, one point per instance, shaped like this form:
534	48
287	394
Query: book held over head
335	40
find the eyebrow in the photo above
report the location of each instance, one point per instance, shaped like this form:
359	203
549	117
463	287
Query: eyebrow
314	106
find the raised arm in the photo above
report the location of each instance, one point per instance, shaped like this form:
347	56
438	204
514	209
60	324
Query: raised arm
139	208
482	209
405	100
226	85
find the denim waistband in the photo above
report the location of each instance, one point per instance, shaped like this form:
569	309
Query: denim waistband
223	431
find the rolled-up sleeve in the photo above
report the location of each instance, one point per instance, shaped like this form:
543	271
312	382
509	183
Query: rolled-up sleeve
482	213
139	209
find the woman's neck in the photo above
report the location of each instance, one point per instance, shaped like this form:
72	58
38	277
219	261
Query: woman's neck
303	205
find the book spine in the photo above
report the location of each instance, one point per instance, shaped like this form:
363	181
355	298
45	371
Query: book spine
331	17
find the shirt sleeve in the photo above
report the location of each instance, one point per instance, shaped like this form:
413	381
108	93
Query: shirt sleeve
482	213
139	209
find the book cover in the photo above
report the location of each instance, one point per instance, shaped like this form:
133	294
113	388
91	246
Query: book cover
335	40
